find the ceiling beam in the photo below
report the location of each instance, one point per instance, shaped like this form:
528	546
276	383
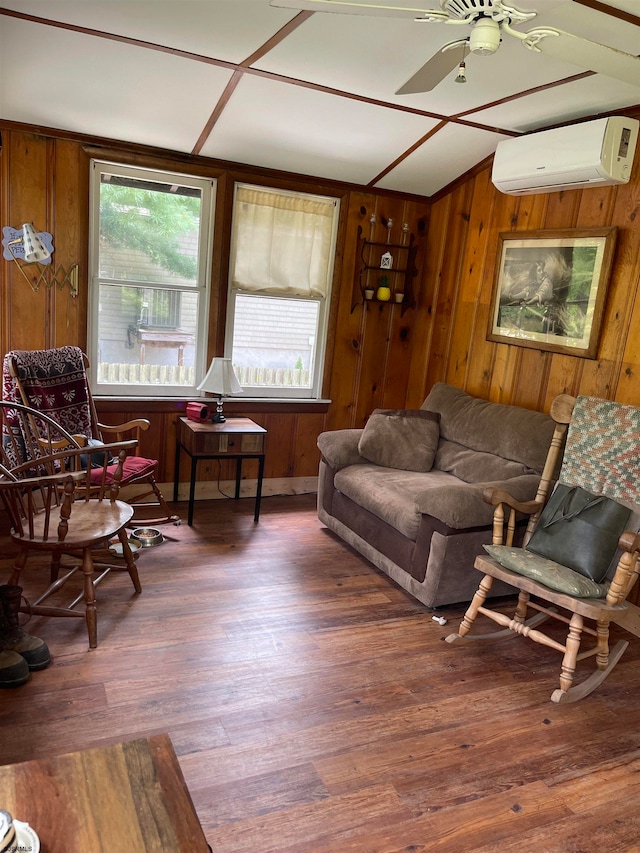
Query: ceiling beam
628	17
275	39
223	100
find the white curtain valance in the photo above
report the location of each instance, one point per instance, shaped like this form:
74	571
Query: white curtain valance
281	243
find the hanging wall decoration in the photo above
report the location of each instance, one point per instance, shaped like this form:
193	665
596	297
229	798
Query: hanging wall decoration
550	289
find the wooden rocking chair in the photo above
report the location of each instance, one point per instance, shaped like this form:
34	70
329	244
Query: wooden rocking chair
601	455
55	382
55	510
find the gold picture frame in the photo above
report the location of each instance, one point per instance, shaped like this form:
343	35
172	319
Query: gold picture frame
550	289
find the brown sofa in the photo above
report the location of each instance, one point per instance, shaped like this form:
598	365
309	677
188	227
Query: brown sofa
424	528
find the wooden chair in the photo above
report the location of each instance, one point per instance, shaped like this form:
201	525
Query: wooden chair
55	510
601	455
55	381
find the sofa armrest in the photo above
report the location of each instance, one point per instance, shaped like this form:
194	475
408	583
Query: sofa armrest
339	448
462	505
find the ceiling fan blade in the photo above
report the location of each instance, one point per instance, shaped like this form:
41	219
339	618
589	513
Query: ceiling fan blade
345	7
586	54
435	70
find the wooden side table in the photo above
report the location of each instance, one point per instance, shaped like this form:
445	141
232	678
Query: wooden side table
236	438
125	797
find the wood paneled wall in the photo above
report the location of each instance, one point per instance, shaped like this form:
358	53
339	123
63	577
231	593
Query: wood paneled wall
457	288
376	357
45	179
372	342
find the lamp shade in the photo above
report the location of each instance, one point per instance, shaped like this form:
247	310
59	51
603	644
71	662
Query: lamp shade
35	250
220	378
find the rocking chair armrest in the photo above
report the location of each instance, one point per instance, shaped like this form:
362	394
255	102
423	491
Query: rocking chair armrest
626	572
59	477
135	424
80	440
110	450
629	542
71	453
495	497
113	446
108	454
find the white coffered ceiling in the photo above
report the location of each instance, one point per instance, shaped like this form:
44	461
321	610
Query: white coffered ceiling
220	78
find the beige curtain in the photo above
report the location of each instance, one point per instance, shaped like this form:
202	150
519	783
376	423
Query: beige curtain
281	243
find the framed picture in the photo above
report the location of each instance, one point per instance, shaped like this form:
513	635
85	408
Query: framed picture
550	289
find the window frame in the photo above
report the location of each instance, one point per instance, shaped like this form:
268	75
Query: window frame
202	287
286	392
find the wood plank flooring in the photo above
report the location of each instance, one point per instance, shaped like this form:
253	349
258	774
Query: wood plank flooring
315	708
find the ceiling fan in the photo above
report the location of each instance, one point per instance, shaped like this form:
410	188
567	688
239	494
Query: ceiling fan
489	20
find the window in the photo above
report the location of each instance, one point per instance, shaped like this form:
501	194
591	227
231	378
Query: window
282	252
149	267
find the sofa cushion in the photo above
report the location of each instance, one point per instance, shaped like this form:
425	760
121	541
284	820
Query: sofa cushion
475	466
401	438
460	505
512	432
390	493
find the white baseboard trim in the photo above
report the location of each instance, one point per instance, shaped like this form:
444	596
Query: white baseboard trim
207	490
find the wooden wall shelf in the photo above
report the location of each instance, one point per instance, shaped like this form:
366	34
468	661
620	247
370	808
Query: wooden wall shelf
400	277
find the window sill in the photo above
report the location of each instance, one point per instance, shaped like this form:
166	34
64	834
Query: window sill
232	405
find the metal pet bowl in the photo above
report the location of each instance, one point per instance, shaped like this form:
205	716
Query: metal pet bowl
148	536
116	547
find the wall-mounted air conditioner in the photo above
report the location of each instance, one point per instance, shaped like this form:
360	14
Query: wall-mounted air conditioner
594	153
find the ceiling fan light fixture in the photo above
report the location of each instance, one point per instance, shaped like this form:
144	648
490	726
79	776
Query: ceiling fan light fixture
485	37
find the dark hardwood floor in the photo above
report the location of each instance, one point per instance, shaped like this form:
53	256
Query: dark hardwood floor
315	708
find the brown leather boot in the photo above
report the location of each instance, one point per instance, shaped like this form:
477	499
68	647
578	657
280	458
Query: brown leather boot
12	638
14	670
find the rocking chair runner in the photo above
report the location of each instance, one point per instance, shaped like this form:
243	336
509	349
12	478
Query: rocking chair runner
601	455
55	381
54	509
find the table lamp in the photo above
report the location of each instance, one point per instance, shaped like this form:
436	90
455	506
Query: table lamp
221	381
